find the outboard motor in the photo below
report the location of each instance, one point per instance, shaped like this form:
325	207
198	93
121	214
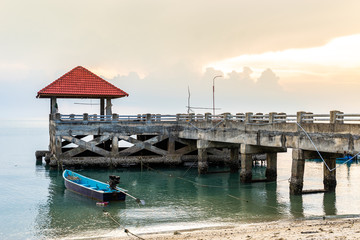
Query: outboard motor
114	181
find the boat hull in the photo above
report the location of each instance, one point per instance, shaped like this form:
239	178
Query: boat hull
86	187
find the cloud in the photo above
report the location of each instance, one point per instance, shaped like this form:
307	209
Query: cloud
339	53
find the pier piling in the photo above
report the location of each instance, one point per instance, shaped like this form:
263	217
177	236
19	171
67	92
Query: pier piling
297	171
271	167
330	176
234	160
246	164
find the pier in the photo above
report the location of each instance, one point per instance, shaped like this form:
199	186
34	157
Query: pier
111	140
94	140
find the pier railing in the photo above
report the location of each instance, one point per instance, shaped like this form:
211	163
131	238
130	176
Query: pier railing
249	118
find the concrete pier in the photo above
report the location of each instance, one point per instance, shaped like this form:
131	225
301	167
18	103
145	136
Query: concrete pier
246	164
330	176
297	172
202	161
271	167
202	156
94	141
234	160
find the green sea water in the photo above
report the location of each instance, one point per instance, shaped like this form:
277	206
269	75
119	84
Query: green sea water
34	203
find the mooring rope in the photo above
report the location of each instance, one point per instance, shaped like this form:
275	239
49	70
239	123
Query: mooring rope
308	136
106	213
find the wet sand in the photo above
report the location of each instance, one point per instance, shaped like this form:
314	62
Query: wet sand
339	228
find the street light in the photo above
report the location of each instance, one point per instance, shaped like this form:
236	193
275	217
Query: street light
214	93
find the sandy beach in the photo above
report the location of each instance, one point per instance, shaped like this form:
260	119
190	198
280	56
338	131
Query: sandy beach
339	228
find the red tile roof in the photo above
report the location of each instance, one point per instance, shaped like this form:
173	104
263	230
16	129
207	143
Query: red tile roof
81	83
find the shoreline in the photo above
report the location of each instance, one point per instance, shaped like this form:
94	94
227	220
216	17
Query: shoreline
328	228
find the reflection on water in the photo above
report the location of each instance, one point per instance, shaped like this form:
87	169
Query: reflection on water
171	198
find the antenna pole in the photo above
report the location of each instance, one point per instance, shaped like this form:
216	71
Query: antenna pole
214	93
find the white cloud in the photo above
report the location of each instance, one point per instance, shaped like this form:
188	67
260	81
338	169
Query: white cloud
339	53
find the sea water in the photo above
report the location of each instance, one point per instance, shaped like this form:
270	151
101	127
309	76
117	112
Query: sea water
34	203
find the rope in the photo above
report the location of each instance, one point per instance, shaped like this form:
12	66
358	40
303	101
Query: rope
125	229
307	135
189	168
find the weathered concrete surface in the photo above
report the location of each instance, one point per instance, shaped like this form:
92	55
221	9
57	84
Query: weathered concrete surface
297	172
333	138
330	174
271	167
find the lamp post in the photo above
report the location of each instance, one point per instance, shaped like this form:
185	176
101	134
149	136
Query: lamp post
214	93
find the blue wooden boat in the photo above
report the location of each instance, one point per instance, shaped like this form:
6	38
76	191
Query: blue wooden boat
92	188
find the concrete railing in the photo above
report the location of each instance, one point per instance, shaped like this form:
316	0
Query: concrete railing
249	118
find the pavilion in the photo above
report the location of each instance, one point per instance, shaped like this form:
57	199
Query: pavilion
81	83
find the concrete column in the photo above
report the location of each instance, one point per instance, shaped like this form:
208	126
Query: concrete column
272	117
330	177
171	145
334	119
299	117
227	116
108	106
115	118
115	146
208	117
246	163
202	156
148	117
202	161
246	168
297	171
271	167
234	160
248	117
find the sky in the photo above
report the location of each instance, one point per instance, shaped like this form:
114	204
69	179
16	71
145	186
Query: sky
272	55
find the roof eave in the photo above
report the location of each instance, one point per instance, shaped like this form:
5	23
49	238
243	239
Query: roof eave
80	96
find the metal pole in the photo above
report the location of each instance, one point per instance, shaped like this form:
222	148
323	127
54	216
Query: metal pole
214	93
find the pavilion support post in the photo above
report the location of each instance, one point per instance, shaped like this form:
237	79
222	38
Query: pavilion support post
108	106
234	160
202	156
102	106
271	167
330	176
53	105
297	172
